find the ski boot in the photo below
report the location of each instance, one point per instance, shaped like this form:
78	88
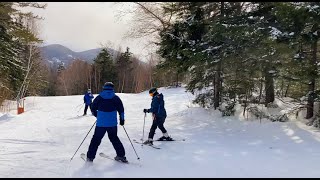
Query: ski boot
89	160
122	159
165	137
148	142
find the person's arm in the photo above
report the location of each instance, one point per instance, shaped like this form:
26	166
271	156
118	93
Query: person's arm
91	97
94	106
120	109
154	105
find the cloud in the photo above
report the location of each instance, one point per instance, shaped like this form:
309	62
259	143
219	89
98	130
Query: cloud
84	25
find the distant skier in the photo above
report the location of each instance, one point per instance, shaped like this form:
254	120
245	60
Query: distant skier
159	115
87	100
105	107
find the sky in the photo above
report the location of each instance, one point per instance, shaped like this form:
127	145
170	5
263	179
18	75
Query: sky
41	141
86	25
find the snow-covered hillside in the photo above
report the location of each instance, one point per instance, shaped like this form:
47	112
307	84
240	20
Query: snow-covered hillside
41	142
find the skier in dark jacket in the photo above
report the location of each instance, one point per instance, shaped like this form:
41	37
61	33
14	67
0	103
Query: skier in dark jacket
105	107
159	115
87	101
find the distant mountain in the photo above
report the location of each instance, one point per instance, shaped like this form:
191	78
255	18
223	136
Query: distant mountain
55	54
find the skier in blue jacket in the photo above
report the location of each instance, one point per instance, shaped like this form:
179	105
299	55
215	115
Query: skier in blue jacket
87	101
105	107
159	115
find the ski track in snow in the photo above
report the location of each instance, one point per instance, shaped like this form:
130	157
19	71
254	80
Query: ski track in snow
41	142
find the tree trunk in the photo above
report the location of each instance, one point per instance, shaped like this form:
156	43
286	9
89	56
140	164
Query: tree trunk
151	84
133	83
119	83
281	88
23	88
269	87
261	86
217	87
177	80
312	82
287	89
218	74
95	78
124	77
64	85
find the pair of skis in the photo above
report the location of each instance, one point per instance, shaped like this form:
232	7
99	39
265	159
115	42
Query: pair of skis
84	157
153	146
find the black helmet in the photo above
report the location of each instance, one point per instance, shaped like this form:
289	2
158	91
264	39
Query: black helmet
152	90
108	85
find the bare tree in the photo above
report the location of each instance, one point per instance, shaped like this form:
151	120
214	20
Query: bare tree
30	56
148	19
73	80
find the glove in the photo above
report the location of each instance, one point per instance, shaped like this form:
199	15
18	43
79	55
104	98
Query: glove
145	110
121	122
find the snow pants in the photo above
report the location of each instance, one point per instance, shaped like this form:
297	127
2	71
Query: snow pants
157	123
86	108
99	133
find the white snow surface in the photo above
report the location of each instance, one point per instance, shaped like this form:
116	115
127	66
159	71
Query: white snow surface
41	141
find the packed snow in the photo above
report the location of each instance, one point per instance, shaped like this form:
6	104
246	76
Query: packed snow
41	141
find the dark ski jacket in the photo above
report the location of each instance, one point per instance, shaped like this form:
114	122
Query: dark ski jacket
157	106
105	107
88	98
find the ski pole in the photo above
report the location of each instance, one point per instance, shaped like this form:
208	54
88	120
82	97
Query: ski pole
79	107
131	143
144	122
83	140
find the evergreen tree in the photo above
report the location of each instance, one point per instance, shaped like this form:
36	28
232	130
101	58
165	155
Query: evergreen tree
299	26
106	68
10	65
123	66
14	38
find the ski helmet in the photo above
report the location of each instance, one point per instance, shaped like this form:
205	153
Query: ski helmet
108	85
152	91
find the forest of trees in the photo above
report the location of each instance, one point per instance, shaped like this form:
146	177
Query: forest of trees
225	52
20	62
127	72
238	52
24	71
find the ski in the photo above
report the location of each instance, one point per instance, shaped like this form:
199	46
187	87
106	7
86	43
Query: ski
171	140
145	144
83	156
108	157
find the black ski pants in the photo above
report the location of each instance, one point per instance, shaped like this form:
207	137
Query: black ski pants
157	123
86	108
99	133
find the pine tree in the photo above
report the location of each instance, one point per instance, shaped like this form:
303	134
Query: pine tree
105	66
10	65
299	23
123	66
14	38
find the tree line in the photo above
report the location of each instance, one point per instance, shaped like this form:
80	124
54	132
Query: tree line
20	61
226	53
238	52
24	72
127	72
